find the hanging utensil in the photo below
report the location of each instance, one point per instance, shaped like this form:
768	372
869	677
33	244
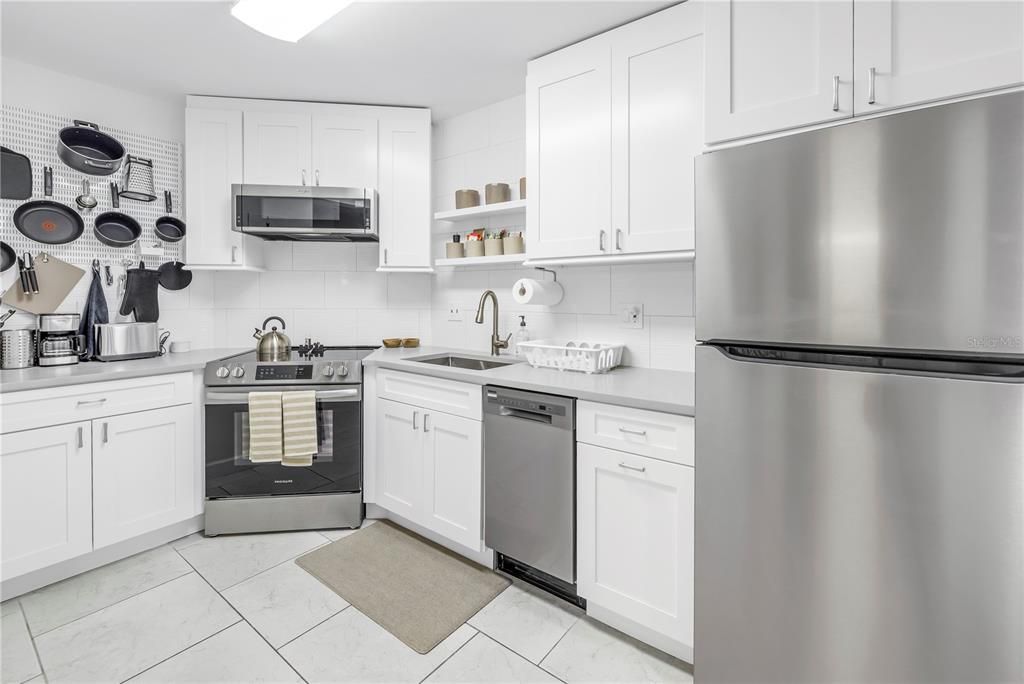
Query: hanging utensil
116	229
49	222
5	316
115	201
30	271
84	148
140	295
86	201
138	179
173	275
26	285
48	181
109	276
168	228
15	175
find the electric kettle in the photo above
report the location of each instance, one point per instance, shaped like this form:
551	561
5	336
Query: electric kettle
273	345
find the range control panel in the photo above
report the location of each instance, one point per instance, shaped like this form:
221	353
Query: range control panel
278	372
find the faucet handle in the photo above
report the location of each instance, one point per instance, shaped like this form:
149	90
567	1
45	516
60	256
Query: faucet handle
503	344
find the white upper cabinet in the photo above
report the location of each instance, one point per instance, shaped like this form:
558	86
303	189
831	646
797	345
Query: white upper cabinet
344	151
278	148
657	128
213	161
569	151
404	209
612	127
776	64
908	51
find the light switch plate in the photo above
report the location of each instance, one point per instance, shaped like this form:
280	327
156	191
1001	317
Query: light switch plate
632	316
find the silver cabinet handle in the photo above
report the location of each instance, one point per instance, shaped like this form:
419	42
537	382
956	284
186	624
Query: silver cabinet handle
871	85
618	240
426	424
639	469
835	93
91	402
638	433
600	240
316	176
234	255
385	256
81	437
106	435
303	176
415	415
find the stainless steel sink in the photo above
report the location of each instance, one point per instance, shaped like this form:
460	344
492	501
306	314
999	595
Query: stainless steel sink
464	362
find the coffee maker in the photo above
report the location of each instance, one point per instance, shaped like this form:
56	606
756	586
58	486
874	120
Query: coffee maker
59	343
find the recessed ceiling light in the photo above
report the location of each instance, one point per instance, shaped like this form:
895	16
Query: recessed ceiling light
287	20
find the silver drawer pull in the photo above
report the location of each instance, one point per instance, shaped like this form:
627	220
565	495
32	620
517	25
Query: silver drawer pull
91	402
415	415
81	437
106	434
639	469
638	433
426	423
835	93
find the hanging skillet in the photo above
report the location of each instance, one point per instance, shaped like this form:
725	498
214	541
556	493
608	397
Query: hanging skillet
168	228
47	221
115	229
84	148
7	257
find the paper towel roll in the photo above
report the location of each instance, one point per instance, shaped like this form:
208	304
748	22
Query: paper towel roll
529	291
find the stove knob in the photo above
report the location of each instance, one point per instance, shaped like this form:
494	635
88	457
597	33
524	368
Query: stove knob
328	370
238	372
343	370
222	372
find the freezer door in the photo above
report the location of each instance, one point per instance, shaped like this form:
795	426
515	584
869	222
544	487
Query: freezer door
905	231
856	526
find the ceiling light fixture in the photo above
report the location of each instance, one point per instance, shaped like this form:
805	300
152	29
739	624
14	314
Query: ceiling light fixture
287	20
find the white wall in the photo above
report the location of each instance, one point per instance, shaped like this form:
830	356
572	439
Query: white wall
488	145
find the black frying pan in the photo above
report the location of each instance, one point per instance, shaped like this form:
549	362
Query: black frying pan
7	257
115	229
85	148
169	228
49	222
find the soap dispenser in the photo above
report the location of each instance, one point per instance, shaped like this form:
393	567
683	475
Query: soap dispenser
522	335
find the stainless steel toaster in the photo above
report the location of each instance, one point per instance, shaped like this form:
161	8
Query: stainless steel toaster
121	341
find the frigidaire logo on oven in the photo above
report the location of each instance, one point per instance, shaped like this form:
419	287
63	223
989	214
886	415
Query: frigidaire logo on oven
283	481
996	342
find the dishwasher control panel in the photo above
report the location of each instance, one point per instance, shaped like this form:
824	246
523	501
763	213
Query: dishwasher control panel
532	405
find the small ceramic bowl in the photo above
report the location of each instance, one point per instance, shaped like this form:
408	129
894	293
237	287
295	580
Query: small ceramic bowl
411	342
392	342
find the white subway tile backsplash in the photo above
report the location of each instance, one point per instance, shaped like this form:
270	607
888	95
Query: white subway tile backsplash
235	327
356	290
235	289
664	289
324	256
408	290
294	289
609	329
507	120
461	134
328	326
367	256
377	324
673	343
200	292
506	163
197	326
277	256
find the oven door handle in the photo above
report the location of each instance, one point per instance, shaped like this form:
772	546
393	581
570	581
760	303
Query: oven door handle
243	397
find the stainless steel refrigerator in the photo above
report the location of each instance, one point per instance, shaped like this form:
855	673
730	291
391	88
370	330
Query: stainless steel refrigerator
860	402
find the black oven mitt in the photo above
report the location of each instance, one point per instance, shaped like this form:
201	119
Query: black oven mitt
140	294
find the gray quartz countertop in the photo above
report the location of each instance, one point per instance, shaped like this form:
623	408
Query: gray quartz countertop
99	371
645	388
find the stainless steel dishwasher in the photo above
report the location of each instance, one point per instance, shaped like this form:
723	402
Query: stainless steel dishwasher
530	487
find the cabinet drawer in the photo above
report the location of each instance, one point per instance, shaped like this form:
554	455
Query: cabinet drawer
53	406
647	433
458	398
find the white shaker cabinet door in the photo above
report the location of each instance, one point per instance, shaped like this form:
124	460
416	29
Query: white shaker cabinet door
453	476
277	148
776	64
635	554
399	458
143	472
404	209
569	151
344	151
658	128
909	51
45	497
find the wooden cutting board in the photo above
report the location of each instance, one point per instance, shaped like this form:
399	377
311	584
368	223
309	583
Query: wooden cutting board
56	278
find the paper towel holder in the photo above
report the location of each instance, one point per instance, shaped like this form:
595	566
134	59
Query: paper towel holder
548	270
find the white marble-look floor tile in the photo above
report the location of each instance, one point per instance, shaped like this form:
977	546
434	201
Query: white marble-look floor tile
335	535
526	620
283	602
228	559
485	660
18	661
592	652
59	604
351	647
123	639
188	540
10	606
237	654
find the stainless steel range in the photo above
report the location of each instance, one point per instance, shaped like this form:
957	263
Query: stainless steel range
243	496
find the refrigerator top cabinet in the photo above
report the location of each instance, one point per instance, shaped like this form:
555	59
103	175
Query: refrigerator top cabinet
903	233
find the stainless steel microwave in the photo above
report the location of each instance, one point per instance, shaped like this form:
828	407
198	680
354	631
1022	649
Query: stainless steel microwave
305	212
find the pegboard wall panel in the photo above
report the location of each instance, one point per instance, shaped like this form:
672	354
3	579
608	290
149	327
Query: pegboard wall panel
34	134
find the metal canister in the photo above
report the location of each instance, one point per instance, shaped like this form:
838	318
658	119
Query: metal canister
17	349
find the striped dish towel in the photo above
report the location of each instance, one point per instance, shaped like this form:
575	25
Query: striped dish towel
299	410
265	427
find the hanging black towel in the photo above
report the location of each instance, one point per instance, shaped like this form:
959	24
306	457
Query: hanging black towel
140	294
95	312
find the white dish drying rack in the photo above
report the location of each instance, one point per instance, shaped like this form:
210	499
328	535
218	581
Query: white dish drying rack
584	357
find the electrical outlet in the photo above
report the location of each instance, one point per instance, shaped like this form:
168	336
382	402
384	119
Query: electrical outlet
632	316
454	314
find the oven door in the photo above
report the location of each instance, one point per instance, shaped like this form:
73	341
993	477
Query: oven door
305	212
337	465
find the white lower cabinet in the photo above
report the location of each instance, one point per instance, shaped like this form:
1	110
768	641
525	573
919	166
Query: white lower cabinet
142	472
45	497
635	542
429	469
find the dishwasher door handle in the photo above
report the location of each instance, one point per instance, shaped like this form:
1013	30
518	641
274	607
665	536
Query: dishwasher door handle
508	412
